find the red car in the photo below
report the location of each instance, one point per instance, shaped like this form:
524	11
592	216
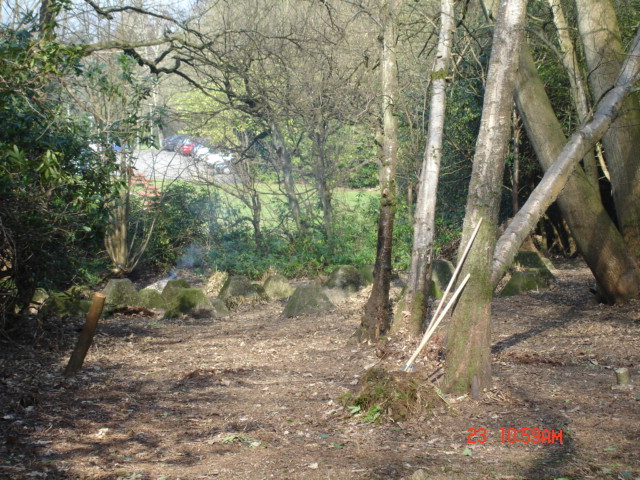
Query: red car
187	146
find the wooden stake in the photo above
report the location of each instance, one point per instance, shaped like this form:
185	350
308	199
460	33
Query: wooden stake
86	337
437	316
454	276
436	322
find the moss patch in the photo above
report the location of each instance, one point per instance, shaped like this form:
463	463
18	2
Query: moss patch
190	301
277	286
151	298
529	260
346	278
219	307
307	299
534	261
396	395
238	286
441	273
366	274
171	287
120	292
533	279
65	304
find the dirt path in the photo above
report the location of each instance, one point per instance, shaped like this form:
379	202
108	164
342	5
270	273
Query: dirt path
258	396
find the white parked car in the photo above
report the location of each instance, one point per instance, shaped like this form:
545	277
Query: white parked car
200	150
221	162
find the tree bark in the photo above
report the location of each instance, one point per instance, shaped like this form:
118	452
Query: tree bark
468	345
596	236
515	169
576	81
417	292
377	315
557	174
600	36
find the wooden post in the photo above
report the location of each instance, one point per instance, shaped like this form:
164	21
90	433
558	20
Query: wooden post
86	337
622	376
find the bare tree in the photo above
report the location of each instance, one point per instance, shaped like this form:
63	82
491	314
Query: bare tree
377	316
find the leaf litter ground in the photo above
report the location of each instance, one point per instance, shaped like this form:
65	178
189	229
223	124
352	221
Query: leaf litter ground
259	396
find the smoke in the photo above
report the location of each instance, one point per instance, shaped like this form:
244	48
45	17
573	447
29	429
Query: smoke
192	257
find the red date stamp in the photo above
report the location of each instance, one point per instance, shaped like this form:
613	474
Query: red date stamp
517	435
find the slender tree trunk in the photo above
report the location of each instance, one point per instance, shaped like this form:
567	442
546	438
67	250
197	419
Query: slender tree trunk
116	239
515	169
468	346
600	35
576	81
256	214
284	160
326	201
125	248
324	191
417	292
596	236
377	315
557	174
46	25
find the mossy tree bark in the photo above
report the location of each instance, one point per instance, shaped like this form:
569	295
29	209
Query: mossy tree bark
597	238
600	34
376	320
417	293
556	176
468	345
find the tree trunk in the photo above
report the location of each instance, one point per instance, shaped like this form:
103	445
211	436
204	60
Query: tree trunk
515	169
46	20
468	346
126	245
557	174
417	292
284	160
595	234
116	238
256	214
325	199
377	315
324	191
576	81
600	35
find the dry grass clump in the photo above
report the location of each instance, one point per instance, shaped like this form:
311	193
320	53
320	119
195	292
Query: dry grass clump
397	395
214	283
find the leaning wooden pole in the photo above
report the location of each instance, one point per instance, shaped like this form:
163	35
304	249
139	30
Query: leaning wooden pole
454	276
435	323
86	337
